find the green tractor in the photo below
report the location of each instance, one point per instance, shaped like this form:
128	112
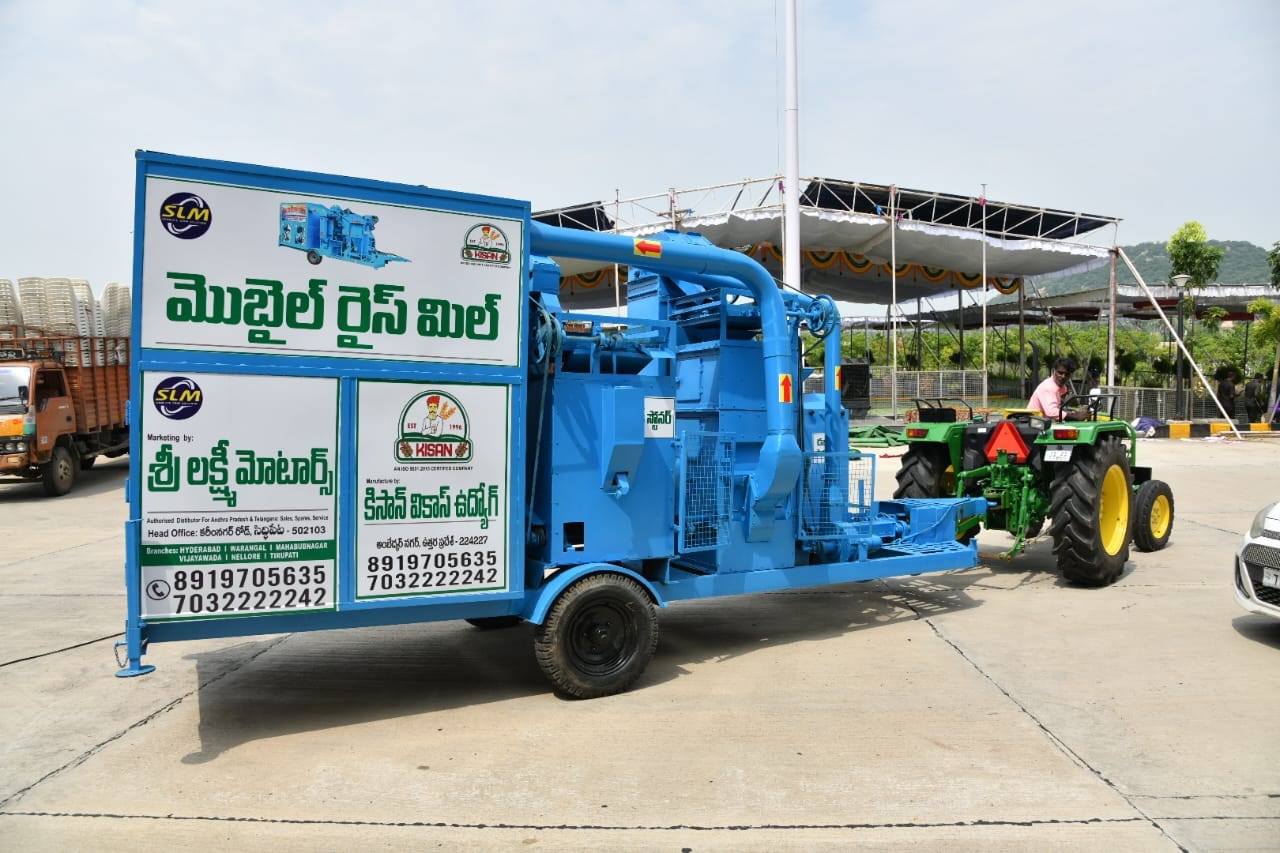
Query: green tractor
1081	476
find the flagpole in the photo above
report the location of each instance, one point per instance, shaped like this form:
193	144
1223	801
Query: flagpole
893	298
982	204
791	182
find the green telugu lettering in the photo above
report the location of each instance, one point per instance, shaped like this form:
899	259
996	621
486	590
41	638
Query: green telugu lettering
262	305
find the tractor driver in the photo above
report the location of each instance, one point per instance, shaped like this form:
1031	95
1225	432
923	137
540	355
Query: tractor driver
1049	394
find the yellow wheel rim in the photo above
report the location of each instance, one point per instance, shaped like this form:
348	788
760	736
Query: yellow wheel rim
1160	517
1113	512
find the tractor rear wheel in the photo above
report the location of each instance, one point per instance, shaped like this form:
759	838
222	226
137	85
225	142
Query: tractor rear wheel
598	637
1092	520
926	472
1153	515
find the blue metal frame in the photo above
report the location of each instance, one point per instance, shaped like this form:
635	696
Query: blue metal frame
613	471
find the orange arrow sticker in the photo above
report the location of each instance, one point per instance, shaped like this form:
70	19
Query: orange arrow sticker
648	248
784	387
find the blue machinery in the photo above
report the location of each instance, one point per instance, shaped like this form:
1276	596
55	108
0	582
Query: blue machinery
666	456
331	232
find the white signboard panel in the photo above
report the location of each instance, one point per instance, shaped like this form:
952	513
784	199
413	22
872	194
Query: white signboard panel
433	481
239	483
243	269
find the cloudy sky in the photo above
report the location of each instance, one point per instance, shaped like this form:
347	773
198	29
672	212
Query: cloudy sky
1154	111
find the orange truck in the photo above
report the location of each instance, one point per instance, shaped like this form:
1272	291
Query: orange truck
63	403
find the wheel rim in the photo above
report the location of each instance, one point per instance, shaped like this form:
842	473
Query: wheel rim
1160	517
62	469
1113	510
602	638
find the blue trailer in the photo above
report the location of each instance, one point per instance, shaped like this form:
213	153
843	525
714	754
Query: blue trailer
331	232
487	455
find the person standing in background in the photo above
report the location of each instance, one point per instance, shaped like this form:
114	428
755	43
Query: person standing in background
1253	399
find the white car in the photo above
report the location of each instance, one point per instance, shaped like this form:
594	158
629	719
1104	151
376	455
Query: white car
1258	564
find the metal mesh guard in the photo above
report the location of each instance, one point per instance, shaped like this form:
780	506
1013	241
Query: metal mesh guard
708	490
834	490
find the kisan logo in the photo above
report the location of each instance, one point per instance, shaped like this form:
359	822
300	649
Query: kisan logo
434	428
486	244
177	398
186	216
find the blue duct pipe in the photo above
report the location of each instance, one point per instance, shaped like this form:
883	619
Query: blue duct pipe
779	466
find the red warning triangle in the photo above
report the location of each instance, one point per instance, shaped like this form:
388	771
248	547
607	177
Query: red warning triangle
1005	437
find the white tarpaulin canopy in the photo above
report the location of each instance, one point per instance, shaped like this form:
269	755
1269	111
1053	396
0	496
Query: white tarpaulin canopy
850	235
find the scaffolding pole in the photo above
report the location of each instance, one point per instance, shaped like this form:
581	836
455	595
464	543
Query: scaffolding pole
1177	338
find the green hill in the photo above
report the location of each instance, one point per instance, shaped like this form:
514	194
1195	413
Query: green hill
1242	263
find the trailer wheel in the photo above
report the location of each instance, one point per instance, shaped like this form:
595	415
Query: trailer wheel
59	473
1092	519
598	637
1153	515
313	257
494	623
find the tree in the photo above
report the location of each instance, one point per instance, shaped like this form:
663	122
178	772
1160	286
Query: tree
1267	330
1273	258
1190	254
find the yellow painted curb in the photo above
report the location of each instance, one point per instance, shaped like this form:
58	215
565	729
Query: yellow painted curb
1179	430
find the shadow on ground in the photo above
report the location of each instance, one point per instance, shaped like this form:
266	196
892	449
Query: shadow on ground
319	680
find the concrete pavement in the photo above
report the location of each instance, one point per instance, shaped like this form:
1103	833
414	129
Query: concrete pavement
994	708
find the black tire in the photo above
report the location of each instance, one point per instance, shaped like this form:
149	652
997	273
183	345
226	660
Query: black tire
59	473
598	637
86	462
495	623
1091	512
927	472
924	473
313	257
1152	515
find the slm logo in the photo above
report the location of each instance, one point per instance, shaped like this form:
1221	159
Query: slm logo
434	429
186	216
177	398
486	244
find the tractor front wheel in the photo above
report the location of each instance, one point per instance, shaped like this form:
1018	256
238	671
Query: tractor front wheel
1092	520
1153	515
599	636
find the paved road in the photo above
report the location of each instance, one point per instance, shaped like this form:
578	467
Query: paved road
989	709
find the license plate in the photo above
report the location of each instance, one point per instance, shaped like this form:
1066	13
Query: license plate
1058	454
1271	577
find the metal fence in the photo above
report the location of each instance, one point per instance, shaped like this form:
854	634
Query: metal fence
1132	402
928	384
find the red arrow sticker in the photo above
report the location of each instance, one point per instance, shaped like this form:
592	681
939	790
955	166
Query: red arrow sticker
784	387
648	248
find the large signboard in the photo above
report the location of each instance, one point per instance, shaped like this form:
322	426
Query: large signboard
252	270
324	376
239	483
433	473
